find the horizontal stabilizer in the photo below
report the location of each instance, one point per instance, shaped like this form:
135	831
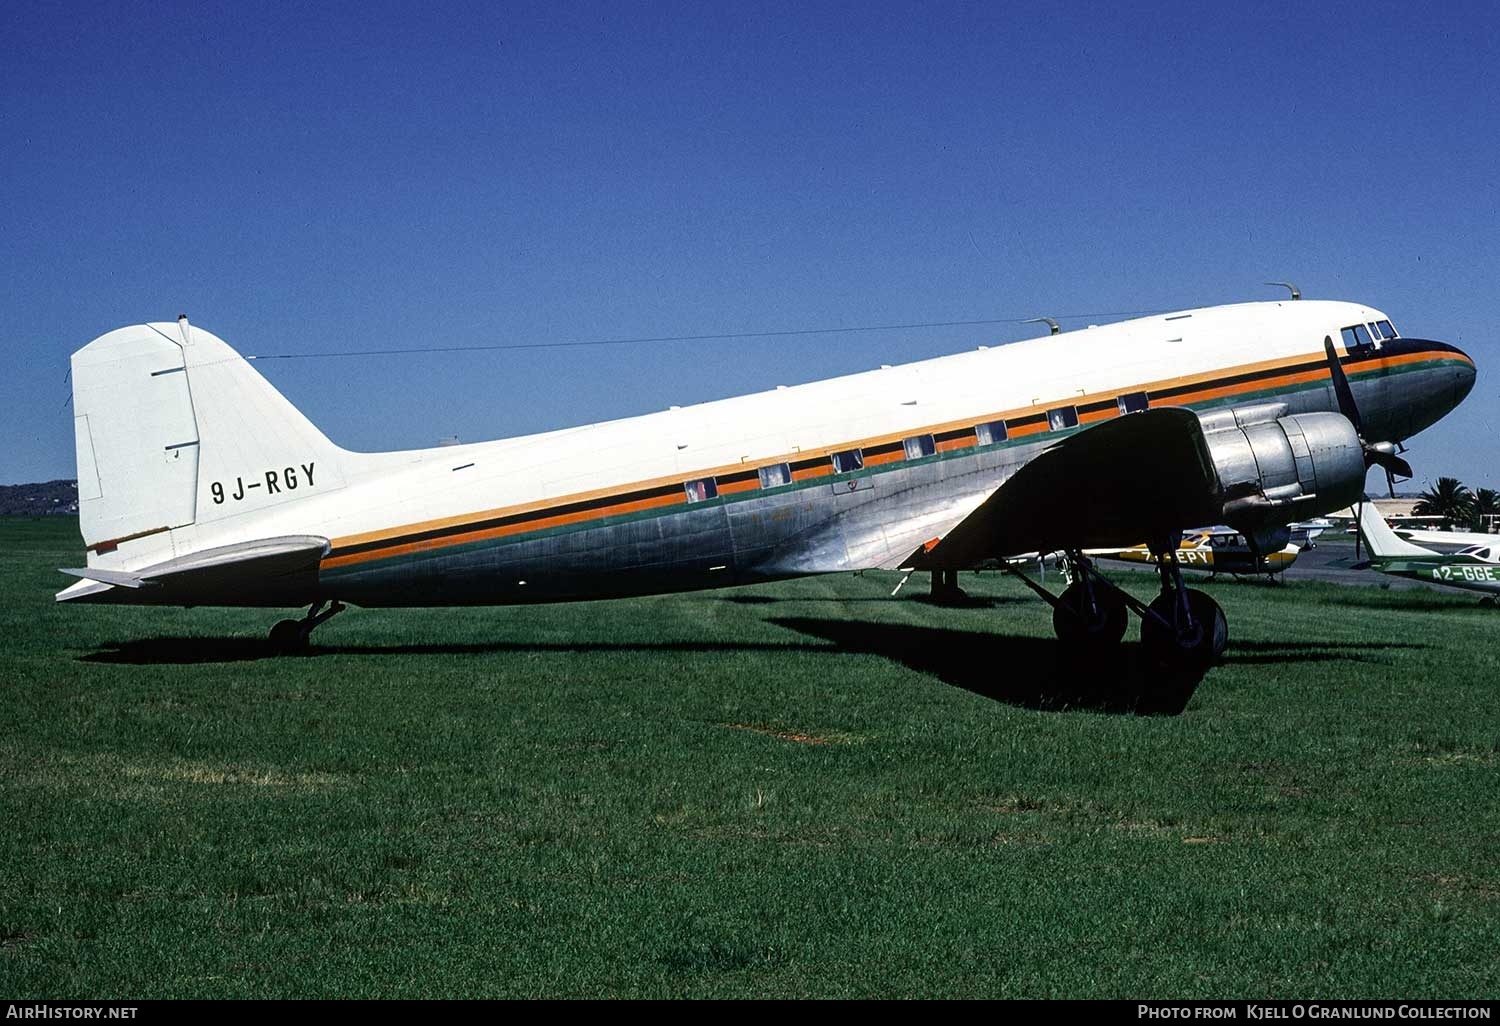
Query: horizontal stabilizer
266	572
115	577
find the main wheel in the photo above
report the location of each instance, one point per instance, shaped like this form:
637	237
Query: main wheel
287	638
1198	645
1101	626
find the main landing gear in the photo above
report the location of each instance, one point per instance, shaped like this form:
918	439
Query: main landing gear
1181	629
290	637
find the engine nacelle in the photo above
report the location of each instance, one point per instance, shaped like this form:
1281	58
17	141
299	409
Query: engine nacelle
1275	468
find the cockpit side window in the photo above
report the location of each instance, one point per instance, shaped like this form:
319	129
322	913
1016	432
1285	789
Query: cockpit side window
1363	335
1386	330
1349	340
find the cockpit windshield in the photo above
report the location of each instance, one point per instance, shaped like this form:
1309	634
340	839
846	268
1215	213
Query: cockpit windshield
1360	337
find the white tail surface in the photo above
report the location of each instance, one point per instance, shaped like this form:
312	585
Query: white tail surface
1382	541
173	427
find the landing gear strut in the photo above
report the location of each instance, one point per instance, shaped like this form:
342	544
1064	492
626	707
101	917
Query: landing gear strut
945	589
290	636
1090	616
1183	627
1090	612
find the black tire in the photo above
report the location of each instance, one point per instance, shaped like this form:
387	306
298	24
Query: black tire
1100	628
288	638
1199	647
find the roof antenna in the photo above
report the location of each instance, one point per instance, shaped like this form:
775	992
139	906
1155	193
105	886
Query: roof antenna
1048	321
1296	292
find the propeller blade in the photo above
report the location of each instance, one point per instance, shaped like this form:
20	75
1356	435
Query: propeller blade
1359	518
1341	389
1377	456
1390	482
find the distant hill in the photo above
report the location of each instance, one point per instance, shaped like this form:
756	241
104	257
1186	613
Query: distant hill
38	499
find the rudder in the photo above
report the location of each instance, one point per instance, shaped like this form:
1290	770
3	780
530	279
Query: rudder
172	427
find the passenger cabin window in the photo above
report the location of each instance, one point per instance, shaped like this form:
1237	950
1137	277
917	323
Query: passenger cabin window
848	461
703	488
1135	402
921	445
991	432
776	475
1062	418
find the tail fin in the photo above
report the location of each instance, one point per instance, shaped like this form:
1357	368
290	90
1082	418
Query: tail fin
1382	541
173	427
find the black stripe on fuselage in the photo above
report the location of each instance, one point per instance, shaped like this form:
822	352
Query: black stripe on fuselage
603	502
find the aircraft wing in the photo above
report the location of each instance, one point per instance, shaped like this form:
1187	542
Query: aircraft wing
1110	486
269	571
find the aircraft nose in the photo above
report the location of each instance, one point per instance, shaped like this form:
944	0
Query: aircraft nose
1464	373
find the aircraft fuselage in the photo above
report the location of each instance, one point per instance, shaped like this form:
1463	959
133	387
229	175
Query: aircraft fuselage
843	474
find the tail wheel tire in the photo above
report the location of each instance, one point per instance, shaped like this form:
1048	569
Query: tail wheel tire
1076	624
1199	645
287	637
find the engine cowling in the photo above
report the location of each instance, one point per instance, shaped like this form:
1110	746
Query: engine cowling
1275	469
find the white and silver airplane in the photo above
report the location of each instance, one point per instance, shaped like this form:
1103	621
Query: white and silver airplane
1464	538
199	484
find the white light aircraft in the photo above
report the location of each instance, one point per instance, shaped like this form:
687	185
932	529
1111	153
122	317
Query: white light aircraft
1447	537
1472	568
199	484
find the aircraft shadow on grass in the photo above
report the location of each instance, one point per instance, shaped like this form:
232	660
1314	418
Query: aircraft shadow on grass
1028	672
1037	673
965	602
184	651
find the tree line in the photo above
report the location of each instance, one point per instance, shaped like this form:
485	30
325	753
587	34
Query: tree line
1452	499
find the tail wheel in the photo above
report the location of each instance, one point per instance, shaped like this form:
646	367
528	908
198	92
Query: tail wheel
1198	644
1097	624
288	637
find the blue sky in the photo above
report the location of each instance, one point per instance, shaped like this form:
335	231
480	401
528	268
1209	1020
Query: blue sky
309	180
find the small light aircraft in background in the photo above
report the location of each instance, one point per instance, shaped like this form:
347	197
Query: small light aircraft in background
1472	568
200	484
1219	550
1450	538
1305	534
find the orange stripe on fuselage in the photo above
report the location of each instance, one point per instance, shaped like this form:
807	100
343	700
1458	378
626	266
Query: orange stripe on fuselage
752	485
562	520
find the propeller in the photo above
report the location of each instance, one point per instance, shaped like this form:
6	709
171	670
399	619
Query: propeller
1377	454
1359	520
1385	455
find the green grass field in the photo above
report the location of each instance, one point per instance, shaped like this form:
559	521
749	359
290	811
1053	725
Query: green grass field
800	789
